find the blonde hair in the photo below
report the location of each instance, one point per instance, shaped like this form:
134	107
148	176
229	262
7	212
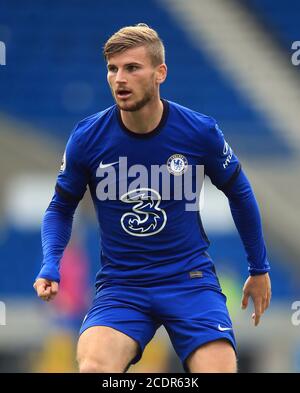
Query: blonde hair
135	36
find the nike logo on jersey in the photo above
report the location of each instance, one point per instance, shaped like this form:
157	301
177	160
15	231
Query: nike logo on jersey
103	166
223	329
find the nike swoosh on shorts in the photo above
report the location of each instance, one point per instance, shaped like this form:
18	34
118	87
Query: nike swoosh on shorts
222	329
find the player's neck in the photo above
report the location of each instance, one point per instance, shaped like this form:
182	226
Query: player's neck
144	120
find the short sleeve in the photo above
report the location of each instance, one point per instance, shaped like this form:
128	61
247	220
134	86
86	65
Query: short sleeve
73	177
221	164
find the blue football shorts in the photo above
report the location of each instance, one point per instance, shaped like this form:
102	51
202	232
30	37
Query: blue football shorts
191	313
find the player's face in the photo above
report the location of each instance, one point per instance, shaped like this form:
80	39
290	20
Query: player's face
133	79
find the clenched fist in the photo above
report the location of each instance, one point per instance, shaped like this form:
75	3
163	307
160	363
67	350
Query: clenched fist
46	289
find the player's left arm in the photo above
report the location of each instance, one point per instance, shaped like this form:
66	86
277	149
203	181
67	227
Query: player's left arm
246	215
225	172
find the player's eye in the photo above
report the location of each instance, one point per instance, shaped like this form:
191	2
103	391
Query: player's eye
112	69
132	68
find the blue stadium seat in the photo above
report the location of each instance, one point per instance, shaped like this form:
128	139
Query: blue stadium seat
56	75
281	17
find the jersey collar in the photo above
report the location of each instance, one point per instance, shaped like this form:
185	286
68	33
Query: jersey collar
150	133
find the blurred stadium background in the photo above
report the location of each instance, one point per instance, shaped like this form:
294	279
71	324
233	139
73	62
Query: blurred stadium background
228	59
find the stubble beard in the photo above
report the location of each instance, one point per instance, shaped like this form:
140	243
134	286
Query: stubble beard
136	106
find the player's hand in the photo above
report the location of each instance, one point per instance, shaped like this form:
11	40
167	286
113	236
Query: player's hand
259	289
46	289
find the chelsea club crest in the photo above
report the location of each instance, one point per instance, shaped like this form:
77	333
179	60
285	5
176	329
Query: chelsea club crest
177	164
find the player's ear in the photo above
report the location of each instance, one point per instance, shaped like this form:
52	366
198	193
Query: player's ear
161	73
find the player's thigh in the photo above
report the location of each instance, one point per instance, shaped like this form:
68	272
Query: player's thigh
104	349
215	356
195	316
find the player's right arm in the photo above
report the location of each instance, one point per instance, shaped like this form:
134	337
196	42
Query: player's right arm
46	289
57	222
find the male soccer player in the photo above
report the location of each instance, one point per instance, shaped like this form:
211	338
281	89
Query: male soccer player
155	268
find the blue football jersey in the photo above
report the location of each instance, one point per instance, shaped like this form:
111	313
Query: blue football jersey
149	232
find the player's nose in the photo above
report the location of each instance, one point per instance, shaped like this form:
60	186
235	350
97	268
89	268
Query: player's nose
120	77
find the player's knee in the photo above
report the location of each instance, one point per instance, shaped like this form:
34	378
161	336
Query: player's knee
87	365
99	364
217	356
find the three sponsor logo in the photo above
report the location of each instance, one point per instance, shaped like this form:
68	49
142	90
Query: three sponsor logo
148	188
145	218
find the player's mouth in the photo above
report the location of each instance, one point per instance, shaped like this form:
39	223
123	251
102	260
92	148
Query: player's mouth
123	93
